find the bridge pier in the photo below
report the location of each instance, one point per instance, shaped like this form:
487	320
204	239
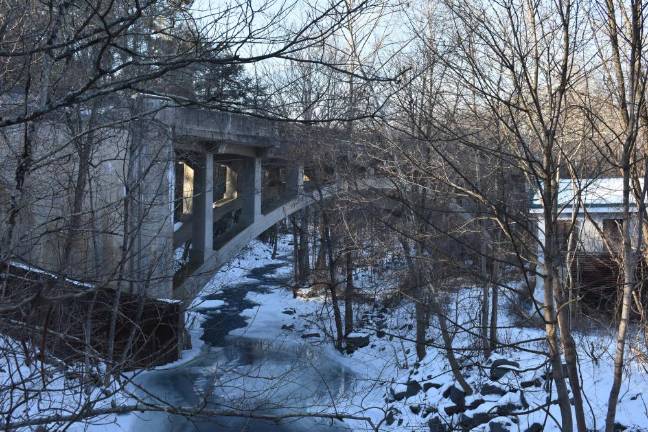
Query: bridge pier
203	209
230	183
249	189
295	181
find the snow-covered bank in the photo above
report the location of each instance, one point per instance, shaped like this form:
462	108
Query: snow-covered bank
282	359
510	389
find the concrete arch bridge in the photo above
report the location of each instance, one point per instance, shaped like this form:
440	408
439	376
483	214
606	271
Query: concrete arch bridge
214	181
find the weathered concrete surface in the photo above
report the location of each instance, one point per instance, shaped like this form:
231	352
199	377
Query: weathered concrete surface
192	286
190	125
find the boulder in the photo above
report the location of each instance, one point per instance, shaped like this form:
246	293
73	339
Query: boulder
407	390
288	327
289	311
536	382
457	396
469	422
496	426
474	404
490	389
430	410
416	409
391	415
357	340
310	335
523	400
501	367
507	409
454	409
535	427
437	425
428	385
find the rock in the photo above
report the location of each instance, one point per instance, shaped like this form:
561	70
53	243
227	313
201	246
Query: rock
537	382
391	415
430	410
501	367
619	427
380	334
310	335
436	425
496	426
357	340
415	409
535	427
288	327
389	418
457	396
523	400
507	409
428	385
411	388
474	404
289	311
467	422
454	409
490	389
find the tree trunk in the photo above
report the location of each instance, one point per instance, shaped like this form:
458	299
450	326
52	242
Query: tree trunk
484	300
492	341
628	287
304	265
337	316
422	321
552	291
348	296
275	241
296	275
493	282
447	344
550	288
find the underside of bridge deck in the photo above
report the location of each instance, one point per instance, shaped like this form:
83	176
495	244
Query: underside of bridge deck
229	178
218	197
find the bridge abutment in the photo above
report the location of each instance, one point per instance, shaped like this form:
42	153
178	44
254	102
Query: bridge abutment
151	176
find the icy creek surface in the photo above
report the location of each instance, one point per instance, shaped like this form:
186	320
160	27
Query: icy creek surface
246	362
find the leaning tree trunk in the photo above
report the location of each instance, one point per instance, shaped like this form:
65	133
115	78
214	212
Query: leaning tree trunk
447	345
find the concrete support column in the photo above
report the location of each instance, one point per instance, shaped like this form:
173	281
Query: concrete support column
151	195
249	187
203	213
230	183
295	181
